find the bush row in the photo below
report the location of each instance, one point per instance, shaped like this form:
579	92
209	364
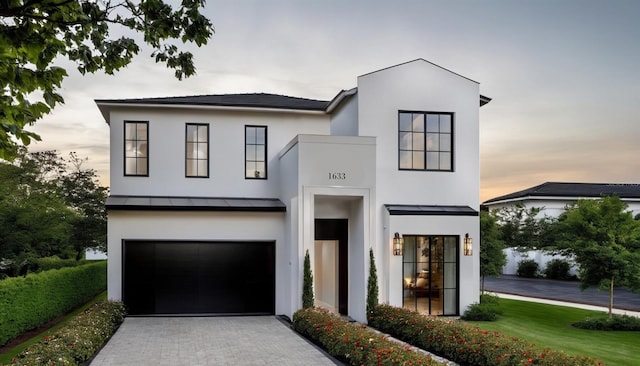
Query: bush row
617	322
466	344
354	343
77	341
29	302
22	266
556	269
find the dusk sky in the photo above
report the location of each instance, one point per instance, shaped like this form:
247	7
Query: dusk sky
564	76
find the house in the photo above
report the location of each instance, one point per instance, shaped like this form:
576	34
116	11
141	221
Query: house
553	198
215	199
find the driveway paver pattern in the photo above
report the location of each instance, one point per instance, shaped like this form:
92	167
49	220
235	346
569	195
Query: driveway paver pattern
242	340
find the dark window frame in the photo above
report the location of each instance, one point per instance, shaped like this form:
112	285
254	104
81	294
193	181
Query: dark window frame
266	150
124	148
186	150
425	132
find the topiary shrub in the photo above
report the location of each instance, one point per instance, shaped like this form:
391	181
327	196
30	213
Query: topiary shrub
307	283
372	284
79	340
557	269
527	268
617	322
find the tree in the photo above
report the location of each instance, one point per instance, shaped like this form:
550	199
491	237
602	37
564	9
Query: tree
372	284
604	240
34	34
522	229
307	283
492	257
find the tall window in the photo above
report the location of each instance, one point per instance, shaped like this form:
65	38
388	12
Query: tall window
136	148
425	141
430	274
255	160
197	150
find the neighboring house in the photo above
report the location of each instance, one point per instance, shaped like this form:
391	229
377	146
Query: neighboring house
216	198
553	198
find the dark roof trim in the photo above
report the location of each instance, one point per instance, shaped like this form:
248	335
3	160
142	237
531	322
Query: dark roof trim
418	60
430	210
155	203
256	100
484	100
572	190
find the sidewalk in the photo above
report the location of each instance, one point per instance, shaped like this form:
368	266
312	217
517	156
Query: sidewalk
564	293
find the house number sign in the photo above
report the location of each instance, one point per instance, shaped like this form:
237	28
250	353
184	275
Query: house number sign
337	176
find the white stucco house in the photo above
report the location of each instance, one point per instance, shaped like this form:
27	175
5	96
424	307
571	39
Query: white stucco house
216	198
553	198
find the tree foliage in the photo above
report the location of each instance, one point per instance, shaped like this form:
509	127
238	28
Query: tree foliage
492	257
522	228
604	239
35	34
48	208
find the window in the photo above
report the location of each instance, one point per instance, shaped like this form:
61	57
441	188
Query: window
430	274
255	158
197	150
425	141
136	148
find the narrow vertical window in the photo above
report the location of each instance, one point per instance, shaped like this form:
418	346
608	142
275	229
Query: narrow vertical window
136	148
197	150
255	143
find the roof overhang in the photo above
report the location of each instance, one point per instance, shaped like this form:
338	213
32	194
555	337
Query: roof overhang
430	210
175	203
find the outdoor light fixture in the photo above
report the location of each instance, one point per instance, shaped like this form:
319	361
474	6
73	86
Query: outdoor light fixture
397	244
467	246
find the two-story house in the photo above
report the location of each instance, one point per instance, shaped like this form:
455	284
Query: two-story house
215	199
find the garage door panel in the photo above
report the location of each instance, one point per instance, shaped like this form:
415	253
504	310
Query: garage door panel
199	278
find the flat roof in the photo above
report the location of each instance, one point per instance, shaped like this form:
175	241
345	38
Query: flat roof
176	203
430	210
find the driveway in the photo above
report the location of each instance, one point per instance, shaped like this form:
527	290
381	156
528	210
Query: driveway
246	340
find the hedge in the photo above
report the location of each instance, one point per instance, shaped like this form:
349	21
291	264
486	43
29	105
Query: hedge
78	341
466	344
29	302
354	343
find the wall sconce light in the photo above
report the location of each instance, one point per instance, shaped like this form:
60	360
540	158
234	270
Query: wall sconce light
397	244
467	247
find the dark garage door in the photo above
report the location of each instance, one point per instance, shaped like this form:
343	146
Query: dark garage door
199	277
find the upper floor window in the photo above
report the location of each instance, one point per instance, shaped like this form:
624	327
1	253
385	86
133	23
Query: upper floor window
425	141
255	158
136	148
197	150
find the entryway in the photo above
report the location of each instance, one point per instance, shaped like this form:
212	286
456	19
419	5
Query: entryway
331	264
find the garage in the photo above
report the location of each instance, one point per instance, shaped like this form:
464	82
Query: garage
206	278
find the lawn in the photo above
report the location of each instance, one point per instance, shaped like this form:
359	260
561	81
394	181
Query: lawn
9	355
549	326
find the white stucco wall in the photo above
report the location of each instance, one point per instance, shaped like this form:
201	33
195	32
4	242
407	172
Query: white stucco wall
226	159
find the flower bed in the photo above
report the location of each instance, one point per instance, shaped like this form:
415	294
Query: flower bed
354	343
465	344
79	340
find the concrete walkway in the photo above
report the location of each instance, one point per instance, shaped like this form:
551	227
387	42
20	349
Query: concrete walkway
250	340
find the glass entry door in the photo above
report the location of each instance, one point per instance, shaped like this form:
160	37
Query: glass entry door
430	274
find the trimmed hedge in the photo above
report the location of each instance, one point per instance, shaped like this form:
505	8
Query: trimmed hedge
29	302
617	322
49	263
465	344
354	343
79	340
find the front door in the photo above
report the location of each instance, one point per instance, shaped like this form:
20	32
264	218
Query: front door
331	281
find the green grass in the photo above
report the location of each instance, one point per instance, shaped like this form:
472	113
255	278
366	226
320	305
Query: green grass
549	326
9	355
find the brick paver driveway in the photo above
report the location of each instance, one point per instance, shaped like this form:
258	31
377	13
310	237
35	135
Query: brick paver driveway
246	340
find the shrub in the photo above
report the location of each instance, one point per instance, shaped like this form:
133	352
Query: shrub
617	322
481	312
557	269
55	262
527	268
77	341
466	344
28	302
354	343
307	283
